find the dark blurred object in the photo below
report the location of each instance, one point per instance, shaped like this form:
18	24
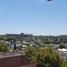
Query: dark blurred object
49	0
14	45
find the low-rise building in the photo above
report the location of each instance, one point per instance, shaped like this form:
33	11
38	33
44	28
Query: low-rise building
63	53
15	60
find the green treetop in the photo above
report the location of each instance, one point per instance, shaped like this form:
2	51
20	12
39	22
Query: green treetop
44	57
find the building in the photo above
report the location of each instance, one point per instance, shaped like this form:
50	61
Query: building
15	60
63	53
65	45
22	36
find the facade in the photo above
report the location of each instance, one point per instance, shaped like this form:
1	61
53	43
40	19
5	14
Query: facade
16	60
23	36
63	53
65	45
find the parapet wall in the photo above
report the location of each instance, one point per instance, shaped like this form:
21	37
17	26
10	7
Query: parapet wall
15	61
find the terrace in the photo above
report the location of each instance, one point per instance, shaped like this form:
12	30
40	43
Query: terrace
11	54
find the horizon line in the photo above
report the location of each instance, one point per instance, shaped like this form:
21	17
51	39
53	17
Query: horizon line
35	34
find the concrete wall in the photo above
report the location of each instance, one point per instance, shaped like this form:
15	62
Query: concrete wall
16	61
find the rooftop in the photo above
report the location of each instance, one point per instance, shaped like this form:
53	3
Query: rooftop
11	54
64	50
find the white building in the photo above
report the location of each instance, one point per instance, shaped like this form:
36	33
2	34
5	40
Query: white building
63	53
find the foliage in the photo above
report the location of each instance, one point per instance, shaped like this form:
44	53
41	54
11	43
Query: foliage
62	46
46	41
29	52
6	38
64	40
4	48
44	57
17	50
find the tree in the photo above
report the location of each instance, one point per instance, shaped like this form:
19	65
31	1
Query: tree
29	52
65	40
8	38
64	64
11	38
62	46
46	41
3	48
44	57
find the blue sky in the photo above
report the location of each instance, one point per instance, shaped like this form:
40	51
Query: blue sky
37	17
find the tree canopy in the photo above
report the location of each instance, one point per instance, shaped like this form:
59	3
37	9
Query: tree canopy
7	38
3	48
44	57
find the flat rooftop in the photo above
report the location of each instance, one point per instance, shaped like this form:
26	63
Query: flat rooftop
11	54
